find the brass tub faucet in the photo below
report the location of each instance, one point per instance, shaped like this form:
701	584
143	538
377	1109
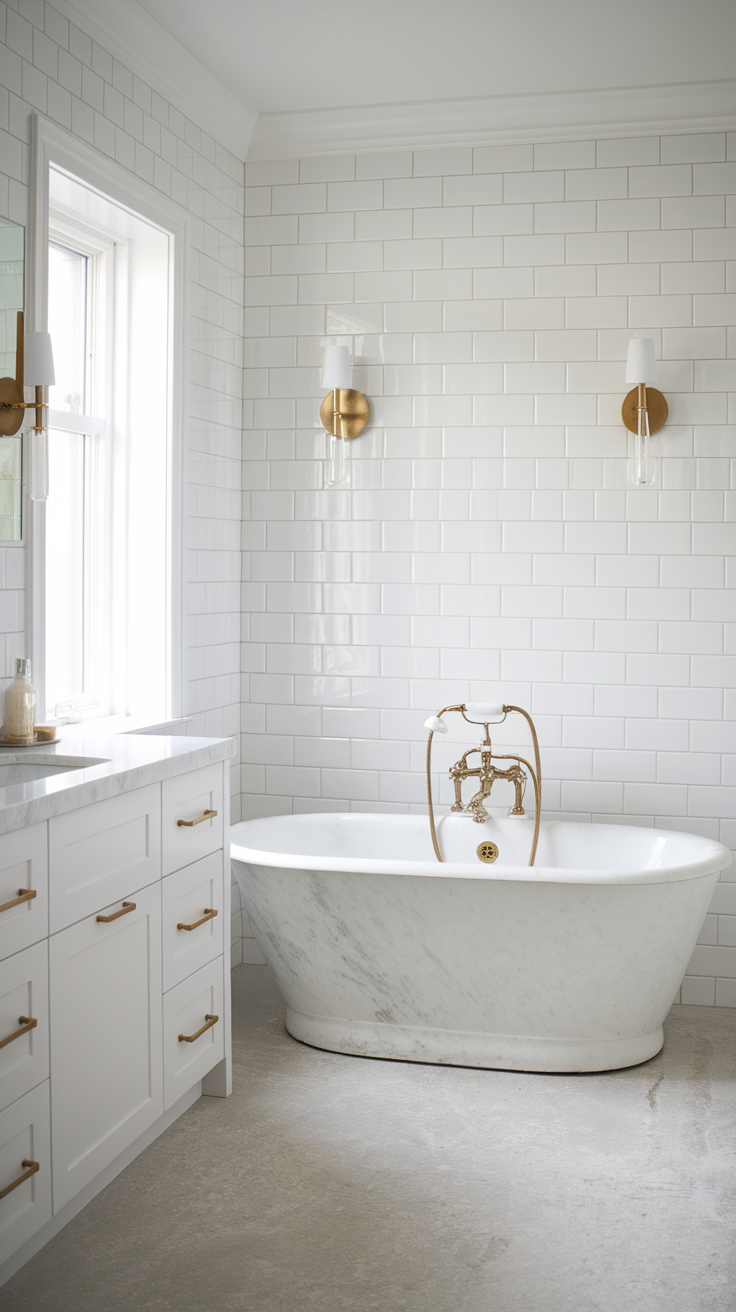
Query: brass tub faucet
486	773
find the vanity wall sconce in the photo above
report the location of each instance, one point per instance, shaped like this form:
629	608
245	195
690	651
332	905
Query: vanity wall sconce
644	410
34	367
344	412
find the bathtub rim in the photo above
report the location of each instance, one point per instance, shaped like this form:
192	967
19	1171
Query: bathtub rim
712	862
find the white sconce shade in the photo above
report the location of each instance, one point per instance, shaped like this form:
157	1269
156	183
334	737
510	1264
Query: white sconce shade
38	364
641	366
336	367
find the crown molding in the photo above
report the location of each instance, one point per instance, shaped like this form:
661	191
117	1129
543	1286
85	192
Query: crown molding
133	36
491	120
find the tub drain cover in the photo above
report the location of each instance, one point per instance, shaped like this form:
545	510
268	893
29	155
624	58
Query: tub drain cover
487	851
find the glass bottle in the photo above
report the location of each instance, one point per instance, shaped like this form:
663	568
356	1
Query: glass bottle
20	706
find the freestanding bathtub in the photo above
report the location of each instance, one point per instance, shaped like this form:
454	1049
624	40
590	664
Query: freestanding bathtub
380	951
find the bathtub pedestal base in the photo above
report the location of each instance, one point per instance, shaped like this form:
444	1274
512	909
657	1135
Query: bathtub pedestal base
458	1048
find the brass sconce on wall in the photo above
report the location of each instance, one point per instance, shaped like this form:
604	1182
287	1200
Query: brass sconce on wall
34	367
344	413
644	410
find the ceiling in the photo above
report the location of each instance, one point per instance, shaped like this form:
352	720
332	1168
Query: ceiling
296	55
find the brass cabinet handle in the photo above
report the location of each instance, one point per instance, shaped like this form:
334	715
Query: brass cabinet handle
26	1023
208	815
126	907
32	1167
189	1038
209	914
24	895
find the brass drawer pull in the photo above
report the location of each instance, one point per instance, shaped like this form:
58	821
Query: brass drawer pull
209	914
208	815
126	907
26	1023
24	895
189	1038
31	1168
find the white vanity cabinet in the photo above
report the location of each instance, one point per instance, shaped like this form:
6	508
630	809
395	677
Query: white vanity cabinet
124	968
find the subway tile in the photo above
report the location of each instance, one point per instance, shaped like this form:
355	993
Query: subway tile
622	215
327	168
645	247
569	216
350	196
309	198
521	188
714	244
597	247
627	150
692	212
534	312
714	179
699	147
411	254
473	189
662	180
597	184
384	164
502	220
442	161
565	155
452	221
502	159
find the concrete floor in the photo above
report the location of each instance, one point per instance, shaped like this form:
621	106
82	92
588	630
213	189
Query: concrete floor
338	1184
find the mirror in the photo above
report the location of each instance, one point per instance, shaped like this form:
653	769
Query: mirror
12	245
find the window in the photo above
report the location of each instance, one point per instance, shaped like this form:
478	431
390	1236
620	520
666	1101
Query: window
107	558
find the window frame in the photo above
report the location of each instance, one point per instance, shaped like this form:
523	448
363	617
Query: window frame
54	147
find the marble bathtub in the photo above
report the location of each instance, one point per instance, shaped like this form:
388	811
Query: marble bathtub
380	951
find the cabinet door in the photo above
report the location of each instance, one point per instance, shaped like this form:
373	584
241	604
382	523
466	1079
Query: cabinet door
100	852
24	1022
105	1037
23	869
191	816
189	897
190	1010
24	1145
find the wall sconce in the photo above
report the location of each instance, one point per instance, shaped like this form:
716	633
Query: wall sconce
644	411
34	367
344	413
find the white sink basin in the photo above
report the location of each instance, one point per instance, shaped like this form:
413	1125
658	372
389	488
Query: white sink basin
23	769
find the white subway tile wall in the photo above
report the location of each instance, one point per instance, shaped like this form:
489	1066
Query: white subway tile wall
50	65
489	543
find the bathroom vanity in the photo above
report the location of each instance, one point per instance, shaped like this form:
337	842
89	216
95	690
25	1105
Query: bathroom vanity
114	963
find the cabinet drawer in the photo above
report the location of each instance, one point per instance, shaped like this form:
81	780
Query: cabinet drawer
24	997
186	1010
23	869
186	798
105	993
187	897
101	852
25	1138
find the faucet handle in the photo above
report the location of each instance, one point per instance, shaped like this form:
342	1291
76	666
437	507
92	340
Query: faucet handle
435	724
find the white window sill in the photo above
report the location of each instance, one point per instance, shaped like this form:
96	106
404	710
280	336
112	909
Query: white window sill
114	724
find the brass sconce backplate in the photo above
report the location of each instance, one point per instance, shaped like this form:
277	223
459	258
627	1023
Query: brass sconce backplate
11	389
657	409
353	412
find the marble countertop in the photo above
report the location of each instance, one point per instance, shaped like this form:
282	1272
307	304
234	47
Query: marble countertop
124	762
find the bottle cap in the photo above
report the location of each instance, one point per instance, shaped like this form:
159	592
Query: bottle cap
23	666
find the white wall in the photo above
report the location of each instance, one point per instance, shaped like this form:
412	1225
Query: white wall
50	65
489	544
